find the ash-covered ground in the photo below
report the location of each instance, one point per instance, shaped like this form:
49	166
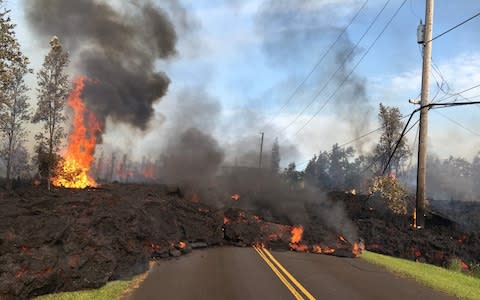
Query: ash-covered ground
72	239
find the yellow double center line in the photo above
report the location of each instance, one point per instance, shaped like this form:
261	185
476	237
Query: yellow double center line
283	274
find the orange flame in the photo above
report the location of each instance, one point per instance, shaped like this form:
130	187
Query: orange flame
297	233
464	266
149	171
73	172
414	217
357	250
328	250
182	245
195	198
256	218
299	247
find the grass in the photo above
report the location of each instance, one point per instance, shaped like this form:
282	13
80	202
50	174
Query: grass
440	279
112	290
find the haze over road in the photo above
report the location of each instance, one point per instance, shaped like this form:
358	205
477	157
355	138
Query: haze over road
242	273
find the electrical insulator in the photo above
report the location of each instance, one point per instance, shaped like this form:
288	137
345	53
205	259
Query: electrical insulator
421	33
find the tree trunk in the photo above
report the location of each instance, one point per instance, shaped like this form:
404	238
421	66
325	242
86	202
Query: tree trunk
48	179
9	163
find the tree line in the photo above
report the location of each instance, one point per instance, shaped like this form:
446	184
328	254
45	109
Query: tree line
16	112
342	169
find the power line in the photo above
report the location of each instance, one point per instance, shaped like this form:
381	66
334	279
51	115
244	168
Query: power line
356	139
459	93
429	106
289	99
339	67
458	124
353	69
455	27
404	132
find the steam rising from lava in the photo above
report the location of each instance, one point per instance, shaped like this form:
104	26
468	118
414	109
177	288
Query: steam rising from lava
117	47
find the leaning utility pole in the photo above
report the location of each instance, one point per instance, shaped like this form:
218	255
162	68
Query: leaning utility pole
423	133
261	150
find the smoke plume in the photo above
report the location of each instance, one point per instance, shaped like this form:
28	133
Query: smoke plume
297	33
116	47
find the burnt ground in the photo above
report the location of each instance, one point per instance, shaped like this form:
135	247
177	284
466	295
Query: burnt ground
72	239
75	239
440	241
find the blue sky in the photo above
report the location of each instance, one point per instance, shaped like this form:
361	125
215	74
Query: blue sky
228	56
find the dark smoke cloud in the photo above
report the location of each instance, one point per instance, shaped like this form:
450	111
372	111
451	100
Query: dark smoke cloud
194	159
191	154
297	33
116	47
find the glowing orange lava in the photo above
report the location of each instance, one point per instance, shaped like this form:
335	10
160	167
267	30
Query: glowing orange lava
195	198
299	247
357	250
297	233
73	170
148	171
317	249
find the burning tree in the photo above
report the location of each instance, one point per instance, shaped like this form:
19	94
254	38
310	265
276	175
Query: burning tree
14	108
53	89
73	170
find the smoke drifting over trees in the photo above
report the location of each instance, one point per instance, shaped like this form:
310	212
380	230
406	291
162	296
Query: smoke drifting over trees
116	48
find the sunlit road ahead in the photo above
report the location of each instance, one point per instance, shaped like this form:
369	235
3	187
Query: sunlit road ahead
248	273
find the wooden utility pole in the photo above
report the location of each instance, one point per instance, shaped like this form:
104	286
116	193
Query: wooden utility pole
423	133
261	150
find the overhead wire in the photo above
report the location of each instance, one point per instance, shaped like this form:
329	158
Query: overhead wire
458	123
428	106
290	98
456	94
355	139
342	65
353	69
454	27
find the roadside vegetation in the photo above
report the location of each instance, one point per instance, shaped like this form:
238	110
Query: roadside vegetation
112	290
452	282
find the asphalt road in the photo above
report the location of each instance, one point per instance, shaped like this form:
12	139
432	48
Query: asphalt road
242	273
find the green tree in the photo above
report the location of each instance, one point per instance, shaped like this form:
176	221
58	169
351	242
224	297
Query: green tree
10	52
53	87
14	106
316	172
387	192
339	166
275	164
390	119
292	176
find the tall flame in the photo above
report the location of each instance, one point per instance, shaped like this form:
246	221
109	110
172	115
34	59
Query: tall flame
73	171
